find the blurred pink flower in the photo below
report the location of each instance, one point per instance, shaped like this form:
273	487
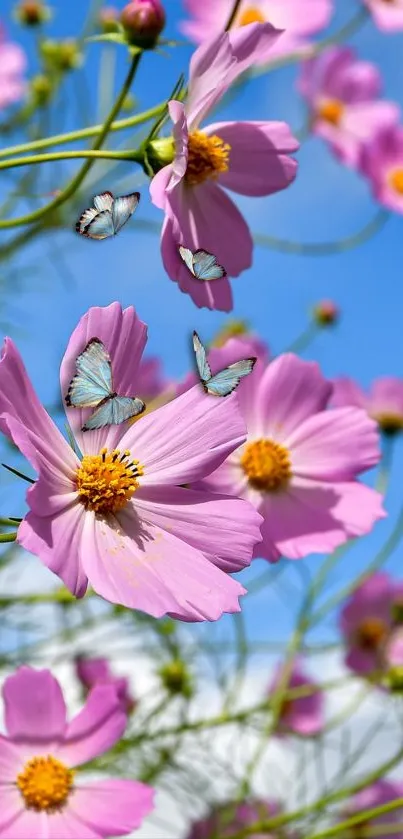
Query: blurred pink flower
235	349
12	65
303	715
251	158
299	18
366	622
384	402
387	14
118	519
40	793
381	161
393	652
151	381
96	671
300	462
226	819
381	792
343	96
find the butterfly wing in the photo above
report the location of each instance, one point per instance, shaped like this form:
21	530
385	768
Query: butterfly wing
101	227
224	382
93	380
104	201
86	217
206	266
123	208
186	256
113	411
201	359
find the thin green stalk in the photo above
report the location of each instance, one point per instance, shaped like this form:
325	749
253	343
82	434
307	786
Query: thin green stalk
325	248
8	522
302	341
93	154
358	818
8	537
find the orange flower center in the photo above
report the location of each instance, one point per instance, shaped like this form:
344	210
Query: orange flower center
389	422
207	157
396	180
45	784
251	15
370	634
267	465
331	110
106	481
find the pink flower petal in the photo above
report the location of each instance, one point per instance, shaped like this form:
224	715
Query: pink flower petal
60	825
258	161
10	765
35	711
253	44
112	808
208	71
159	186
95	729
124	336
11	803
388	17
373	598
347	392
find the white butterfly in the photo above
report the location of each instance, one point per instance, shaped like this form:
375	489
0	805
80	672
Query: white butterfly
224	382
202	264
107	216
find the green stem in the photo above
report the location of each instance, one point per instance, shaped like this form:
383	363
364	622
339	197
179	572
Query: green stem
92	154
358	818
302	342
19	474
73	185
8	537
7	522
324	248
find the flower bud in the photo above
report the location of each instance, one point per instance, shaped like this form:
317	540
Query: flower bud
176	678
41	90
32	13
326	313
108	19
160	152
61	55
143	21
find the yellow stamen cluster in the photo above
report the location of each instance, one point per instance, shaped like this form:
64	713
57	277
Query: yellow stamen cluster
267	465
106	481
371	633
331	110
251	15
207	157
396	180
45	784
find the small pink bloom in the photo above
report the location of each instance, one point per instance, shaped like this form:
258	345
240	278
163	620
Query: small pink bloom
384	402
326	313
343	96
381	792
387	14
119	520
226	819
250	158
143	21
300	463
40	792
235	349
299	18
96	671
12	65
303	715
366	622
381	161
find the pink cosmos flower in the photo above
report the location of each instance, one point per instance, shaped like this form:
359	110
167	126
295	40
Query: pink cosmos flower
303	715
96	671
299	18
229	818
40	793
381	792
387	14
12	65
343	96
117	519
251	158
235	349
381	161
366	622
300	462
384	402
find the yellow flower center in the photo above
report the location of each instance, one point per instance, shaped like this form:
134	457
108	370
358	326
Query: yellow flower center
388	422
331	111
106	481
251	15
370	634
45	783
267	465
396	180
207	157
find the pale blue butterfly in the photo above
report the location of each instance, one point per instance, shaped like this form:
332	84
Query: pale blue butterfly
92	387
107	216
224	382
202	264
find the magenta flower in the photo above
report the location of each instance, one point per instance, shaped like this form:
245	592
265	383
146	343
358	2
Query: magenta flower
384	402
235	349
117	519
40	793
299	18
226	819
303	715
343	97
96	671
381	792
381	161
300	462
150	381
12	65
366	622
387	14
251	158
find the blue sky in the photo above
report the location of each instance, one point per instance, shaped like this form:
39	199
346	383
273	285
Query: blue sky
62	275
